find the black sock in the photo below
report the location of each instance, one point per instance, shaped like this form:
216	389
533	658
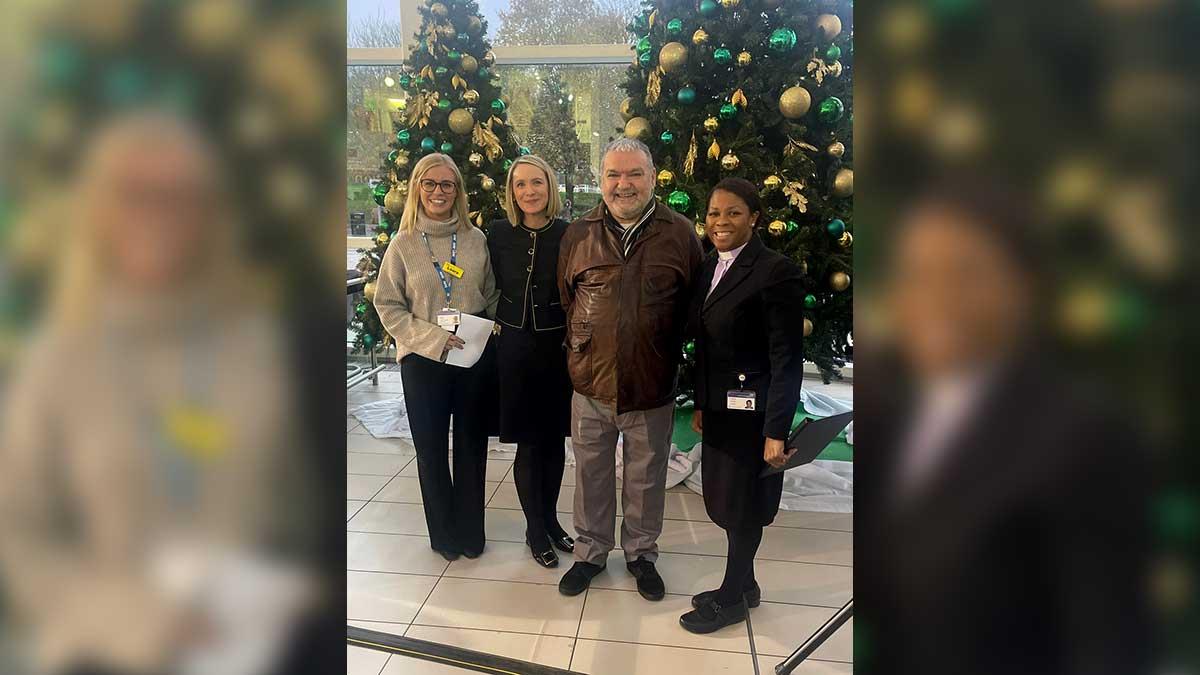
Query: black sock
739	566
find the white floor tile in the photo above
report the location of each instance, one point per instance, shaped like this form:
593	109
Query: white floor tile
810	666
804	583
546	650
408	665
352	507
389	518
617	658
812	546
681	536
390	628
627	617
496	470
501	605
504	561
375	463
356	442
363	487
363	661
403	553
390	598
843	522
508	525
506	498
351	423
685	506
401	489
779	629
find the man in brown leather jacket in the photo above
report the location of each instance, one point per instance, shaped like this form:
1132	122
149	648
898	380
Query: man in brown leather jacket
625	271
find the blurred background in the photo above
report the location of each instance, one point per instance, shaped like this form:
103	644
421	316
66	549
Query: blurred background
1026	292
170	335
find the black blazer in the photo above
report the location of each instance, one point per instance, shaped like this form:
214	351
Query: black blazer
525	263
751	325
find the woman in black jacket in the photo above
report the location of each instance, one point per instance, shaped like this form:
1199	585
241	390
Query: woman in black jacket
535	390
748	329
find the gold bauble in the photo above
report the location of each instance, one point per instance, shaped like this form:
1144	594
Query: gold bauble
744	59
846	240
836	149
700	230
730	162
665	178
700	36
638	127
627	109
672	56
772	182
777	227
382	238
794	102
829	25
730	4
471	97
461	121
369	291
439	10
475	159
474	25
808	327
487	184
394	200
489	58
843	183
839	281
469	64
711	124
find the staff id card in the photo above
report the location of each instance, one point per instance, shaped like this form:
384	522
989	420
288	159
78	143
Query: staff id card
740	399
449	319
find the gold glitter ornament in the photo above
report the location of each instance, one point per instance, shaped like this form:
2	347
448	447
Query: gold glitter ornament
744	59
665	178
843	183
839	281
700	37
637	127
471	97
777	227
487	184
475	159
772	182
711	124
794	102
730	162
846	240
836	149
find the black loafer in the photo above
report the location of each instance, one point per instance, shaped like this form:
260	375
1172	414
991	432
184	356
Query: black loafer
448	555
472	554
545	558
578	578
563	543
711	617
753	597
649	584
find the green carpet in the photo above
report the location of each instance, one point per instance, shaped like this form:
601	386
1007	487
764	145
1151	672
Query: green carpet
684	438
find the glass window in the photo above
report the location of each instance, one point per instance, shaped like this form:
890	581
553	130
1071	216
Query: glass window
373	23
374	102
555	22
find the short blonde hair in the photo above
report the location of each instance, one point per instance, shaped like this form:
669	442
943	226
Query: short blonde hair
412	204
553	203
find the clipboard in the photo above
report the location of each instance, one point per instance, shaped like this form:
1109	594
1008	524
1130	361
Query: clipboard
809	438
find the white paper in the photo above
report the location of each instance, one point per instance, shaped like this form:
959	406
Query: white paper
475	332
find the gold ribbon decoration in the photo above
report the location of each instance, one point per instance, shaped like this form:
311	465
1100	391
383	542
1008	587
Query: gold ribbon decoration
653	16
689	162
738	98
795	197
458	82
653	87
427	73
794	146
714	150
418	111
484	137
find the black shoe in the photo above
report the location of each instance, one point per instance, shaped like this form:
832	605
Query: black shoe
712	616
753	597
563	543
649	583
544	555
472	554
578	578
448	555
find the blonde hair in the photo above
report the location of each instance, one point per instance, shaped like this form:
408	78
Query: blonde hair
412	205
553	203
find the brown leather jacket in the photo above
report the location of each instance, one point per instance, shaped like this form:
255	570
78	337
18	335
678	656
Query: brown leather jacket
626	314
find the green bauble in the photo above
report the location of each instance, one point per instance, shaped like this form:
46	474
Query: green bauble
833	53
403	136
675	27
686	96
524	150
368	340
830	110
667	138
485	73
441	71
728	111
643	45
810	301
405	81
792	226
836	228
782	40
454	55
443	104
391	159
379	192
644	59
447	148
497	106
507	164
722	56
708	7
428	144
689	347
360	308
680	201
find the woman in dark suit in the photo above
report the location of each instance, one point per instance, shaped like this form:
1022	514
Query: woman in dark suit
747	326
535	390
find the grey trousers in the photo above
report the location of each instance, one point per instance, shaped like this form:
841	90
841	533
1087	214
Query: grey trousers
646	449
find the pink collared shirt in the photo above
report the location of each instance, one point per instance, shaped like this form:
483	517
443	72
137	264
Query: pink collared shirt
724	262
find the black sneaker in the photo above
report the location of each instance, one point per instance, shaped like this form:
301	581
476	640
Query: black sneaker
753	597
649	583
711	617
578	578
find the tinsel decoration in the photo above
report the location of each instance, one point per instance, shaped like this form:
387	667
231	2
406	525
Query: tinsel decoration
714	150
738	98
484	137
689	162
653	87
420	107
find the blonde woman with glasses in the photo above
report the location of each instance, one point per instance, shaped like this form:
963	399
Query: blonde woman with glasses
535	390
435	270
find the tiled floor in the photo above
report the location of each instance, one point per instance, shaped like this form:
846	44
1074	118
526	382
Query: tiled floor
503	603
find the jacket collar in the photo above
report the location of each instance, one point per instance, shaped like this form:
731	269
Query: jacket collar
737	273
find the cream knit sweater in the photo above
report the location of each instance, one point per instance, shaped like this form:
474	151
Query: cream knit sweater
409	293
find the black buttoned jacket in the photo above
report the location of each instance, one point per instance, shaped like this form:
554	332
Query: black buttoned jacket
525	263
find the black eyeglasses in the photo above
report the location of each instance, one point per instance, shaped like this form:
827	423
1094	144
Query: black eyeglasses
446	186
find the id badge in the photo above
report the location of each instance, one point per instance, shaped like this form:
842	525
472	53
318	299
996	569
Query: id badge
452	269
740	399
449	319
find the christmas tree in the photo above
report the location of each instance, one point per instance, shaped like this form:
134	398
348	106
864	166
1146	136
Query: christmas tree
453	106
552	134
759	89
